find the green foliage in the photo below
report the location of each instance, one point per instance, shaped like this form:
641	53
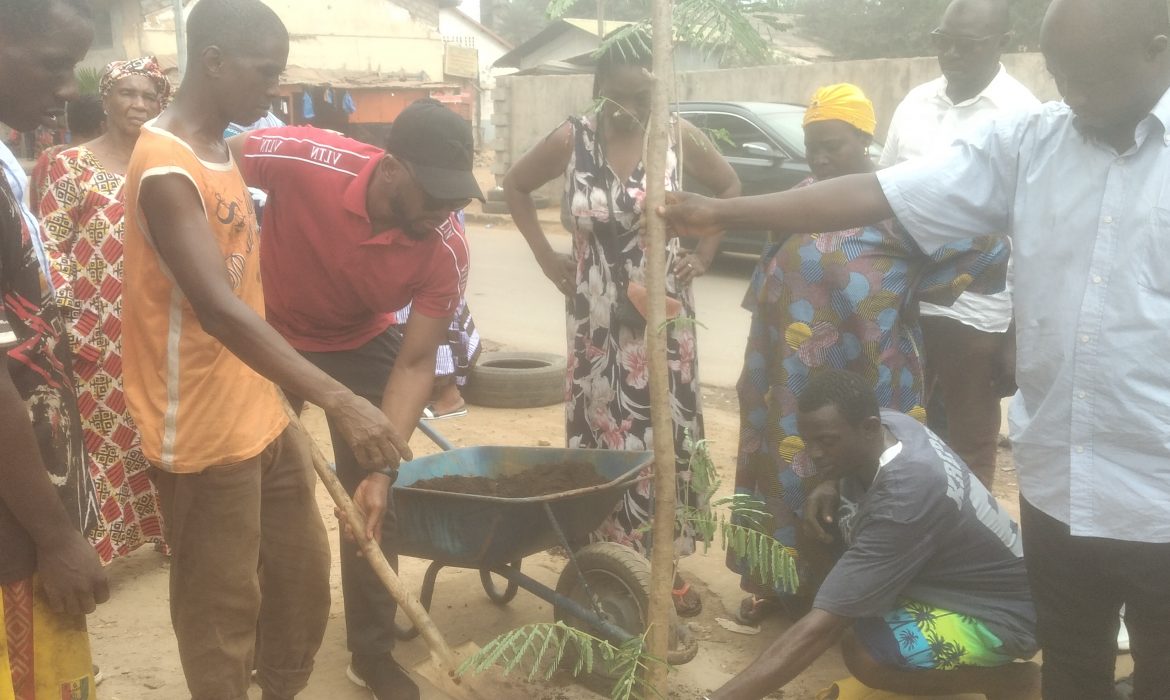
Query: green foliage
767	559
632	662
546	644
859	29
542	648
89	80
720	137
725	29
728	29
738	530
738	522
520	20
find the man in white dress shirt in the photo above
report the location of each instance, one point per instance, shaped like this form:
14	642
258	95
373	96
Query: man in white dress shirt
1083	189
966	343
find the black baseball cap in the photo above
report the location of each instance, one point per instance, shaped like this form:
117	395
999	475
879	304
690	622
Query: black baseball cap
437	144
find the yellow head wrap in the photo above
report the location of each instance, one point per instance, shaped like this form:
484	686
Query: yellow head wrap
843	102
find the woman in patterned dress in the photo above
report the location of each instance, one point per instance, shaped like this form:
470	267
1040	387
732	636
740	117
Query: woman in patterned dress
83	214
607	386
824	301
86	118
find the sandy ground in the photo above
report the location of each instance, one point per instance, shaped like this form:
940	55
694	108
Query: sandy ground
134	645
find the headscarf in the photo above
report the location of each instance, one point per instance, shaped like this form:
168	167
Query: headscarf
147	66
843	102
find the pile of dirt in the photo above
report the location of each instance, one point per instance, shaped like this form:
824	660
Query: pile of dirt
541	480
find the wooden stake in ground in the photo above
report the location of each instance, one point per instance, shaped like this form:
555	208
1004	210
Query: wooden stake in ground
442	656
665	483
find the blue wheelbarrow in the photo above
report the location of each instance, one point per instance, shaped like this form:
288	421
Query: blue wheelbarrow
604	589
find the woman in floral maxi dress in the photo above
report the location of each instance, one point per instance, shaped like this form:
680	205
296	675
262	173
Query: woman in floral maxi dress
83	217
607	383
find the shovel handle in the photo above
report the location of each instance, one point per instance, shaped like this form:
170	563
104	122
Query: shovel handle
441	653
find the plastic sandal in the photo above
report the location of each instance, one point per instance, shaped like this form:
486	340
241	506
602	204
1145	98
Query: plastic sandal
429	413
680	603
753	610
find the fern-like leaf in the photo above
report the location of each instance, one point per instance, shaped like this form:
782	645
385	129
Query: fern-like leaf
89	80
559	8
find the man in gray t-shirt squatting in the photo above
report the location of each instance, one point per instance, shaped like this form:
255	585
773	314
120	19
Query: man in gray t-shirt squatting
931	592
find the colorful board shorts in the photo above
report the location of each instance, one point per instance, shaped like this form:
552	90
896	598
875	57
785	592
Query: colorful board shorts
917	636
43	655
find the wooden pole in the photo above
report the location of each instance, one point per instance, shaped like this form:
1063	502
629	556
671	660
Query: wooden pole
442	656
665	488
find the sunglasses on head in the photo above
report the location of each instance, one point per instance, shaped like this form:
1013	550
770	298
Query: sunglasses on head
963	44
434	203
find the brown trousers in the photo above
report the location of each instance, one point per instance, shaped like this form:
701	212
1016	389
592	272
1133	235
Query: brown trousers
250	557
961	365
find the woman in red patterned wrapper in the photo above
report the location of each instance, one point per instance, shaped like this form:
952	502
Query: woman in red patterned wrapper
83	214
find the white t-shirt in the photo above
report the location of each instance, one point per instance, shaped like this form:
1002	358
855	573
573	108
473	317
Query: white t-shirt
927	122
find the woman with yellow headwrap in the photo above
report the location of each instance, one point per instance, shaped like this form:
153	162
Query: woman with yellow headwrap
83	214
823	301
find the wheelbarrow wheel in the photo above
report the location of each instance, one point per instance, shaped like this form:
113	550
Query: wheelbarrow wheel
493	593
620	578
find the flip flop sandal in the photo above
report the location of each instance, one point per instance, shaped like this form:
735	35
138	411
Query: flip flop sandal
429	413
753	610
681	606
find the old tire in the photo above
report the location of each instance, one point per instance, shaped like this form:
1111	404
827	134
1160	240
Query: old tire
516	380
620	578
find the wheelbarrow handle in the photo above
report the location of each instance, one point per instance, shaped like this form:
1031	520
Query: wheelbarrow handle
435	436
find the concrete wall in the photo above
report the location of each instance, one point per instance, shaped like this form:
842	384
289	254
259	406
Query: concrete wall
528	107
454	27
125	21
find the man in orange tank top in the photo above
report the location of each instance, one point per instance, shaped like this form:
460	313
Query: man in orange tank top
235	480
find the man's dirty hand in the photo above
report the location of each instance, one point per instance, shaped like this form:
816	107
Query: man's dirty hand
370	498
691	215
71	575
375	444
820	511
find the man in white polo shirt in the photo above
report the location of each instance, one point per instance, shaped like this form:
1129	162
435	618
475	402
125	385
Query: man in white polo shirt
965	343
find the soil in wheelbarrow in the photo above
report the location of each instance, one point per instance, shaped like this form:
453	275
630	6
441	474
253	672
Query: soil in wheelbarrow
542	480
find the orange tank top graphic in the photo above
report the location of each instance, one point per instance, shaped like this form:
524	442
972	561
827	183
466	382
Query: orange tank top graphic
196	404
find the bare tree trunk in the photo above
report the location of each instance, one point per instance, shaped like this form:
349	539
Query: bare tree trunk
665	489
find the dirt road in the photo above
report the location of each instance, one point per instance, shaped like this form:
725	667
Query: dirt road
134	645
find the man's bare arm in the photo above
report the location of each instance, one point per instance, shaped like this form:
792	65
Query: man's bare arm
68	567
406	394
833	205
413	376
185	242
785	658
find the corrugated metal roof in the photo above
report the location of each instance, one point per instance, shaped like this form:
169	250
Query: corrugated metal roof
355	79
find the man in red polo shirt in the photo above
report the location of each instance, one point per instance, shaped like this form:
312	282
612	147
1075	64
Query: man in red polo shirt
351	234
